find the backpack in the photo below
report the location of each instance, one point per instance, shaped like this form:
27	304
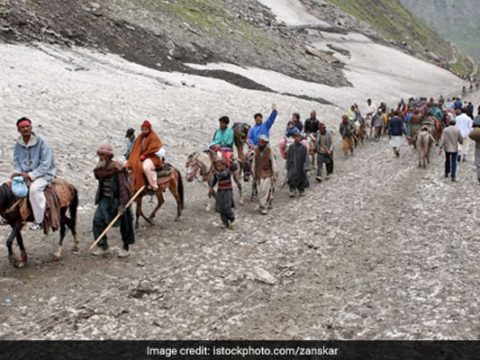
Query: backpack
19	187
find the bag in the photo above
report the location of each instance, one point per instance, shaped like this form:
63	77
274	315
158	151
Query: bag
161	153
19	188
475	134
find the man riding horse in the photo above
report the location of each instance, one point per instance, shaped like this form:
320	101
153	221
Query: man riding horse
33	160
223	140
144	160
49	198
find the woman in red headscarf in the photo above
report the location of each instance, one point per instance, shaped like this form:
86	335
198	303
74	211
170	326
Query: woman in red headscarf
143	158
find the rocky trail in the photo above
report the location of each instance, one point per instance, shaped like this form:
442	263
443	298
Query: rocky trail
382	250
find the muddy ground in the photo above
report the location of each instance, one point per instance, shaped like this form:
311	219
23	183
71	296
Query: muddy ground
382	250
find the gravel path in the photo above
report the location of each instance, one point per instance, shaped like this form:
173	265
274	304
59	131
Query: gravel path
381	250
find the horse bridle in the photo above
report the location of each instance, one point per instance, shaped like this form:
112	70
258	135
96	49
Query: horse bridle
198	169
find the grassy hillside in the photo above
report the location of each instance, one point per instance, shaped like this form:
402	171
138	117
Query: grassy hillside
445	16
390	19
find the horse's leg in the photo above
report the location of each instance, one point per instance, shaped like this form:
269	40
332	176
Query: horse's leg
209	203
173	187
11	254
138	211
239	186
23	253
58	254
160	201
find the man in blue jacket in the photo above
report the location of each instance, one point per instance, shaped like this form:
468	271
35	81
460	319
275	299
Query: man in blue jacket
33	159
261	127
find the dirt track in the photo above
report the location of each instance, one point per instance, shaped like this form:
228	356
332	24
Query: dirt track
382	250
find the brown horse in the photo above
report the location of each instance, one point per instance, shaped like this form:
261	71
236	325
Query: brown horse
168	178
436	127
240	133
17	212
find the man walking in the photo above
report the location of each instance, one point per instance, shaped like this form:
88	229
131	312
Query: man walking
476	125
312	124
346	132
113	194
265	174
324	149
451	137
33	159
464	124
395	131
377	123
296	166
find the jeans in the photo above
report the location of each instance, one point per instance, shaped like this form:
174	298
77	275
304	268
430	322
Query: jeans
451	164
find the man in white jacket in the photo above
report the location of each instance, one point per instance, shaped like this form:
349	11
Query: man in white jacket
464	124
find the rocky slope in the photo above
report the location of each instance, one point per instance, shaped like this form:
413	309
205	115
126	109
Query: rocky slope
166	35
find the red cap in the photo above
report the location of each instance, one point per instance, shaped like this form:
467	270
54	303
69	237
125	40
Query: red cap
147	124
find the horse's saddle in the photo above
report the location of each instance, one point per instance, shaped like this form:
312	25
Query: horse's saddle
166	170
57	195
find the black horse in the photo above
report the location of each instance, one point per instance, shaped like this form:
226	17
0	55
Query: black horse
11	210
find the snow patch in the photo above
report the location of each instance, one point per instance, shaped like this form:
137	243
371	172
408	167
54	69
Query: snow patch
292	13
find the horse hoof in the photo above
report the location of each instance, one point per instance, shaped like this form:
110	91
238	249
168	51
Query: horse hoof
21	264
75	248
241	202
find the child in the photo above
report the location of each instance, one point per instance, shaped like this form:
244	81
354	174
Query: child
224	199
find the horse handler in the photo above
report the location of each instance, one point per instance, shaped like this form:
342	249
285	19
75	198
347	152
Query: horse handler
224	198
265	173
113	194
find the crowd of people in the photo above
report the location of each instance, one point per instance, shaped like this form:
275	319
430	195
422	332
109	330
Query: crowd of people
450	122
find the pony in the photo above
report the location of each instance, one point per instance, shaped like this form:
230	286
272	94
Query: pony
168	178
312	148
359	134
17	212
240	134
248	173
424	145
200	166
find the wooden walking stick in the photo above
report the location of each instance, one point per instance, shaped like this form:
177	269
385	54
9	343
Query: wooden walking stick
104	232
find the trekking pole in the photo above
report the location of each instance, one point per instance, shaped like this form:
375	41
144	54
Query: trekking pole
104	232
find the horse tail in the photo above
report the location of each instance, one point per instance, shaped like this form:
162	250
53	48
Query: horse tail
73	209
181	191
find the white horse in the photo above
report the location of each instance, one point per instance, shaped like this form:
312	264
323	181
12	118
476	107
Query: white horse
200	166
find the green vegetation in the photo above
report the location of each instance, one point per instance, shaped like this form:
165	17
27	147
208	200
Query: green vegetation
463	66
211	17
390	19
